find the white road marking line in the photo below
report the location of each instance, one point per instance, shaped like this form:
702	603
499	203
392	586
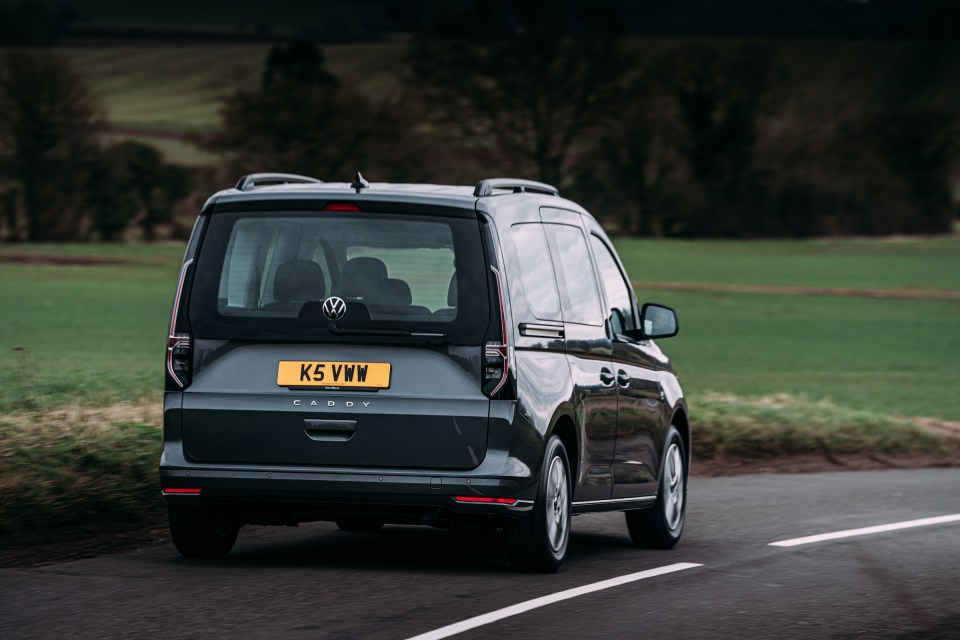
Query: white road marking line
523	607
865	531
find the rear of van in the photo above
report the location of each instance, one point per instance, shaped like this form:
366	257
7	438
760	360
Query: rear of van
334	355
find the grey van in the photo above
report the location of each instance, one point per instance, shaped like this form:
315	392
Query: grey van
418	354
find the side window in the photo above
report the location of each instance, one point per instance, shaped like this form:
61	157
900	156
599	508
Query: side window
579	297
616	288
536	271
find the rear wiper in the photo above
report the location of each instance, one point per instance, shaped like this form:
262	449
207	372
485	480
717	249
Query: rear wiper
334	329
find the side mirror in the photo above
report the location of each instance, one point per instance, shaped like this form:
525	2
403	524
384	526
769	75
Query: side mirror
657	321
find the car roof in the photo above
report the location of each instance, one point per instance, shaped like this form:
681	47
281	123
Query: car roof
413	193
448	196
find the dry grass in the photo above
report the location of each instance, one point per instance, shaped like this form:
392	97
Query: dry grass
727	425
78	471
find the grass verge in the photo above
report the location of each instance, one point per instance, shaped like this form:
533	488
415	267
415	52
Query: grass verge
77	473
784	425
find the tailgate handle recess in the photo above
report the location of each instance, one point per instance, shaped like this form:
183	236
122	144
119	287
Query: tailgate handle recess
330	430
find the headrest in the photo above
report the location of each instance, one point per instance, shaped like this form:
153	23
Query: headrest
396	293
366	268
362	278
452	291
298	280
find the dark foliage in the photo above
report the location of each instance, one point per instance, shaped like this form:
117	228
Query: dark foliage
157	186
634	173
718	98
299	63
57	181
918	147
521	81
301	121
111	198
48	127
707	141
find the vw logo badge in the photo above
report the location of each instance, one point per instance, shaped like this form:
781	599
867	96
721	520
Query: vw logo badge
334	308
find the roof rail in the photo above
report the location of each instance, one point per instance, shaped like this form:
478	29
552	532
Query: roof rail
269	179
486	187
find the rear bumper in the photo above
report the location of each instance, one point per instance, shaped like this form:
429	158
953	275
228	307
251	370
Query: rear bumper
299	494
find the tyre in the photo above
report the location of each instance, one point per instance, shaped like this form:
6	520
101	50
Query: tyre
201	533
539	541
660	526
359	525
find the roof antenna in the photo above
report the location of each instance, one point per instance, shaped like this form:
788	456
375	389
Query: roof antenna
359	183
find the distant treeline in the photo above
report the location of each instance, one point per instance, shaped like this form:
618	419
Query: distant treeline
705	138
44	22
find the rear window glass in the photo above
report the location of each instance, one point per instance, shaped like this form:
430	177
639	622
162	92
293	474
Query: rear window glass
266	277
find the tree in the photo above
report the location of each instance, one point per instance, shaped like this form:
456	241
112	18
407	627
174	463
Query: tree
919	146
300	62
300	120
633	172
130	182
48	127
526	79
719	96
112	200
157	186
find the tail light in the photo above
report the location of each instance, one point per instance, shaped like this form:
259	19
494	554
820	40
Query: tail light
341	206
497	355
178	359
485	500
172	491
179	345
496	366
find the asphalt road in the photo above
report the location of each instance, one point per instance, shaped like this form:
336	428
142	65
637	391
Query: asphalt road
317	582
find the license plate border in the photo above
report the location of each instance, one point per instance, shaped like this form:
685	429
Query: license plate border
323	385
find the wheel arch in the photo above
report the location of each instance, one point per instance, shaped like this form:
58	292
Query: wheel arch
564	427
681	421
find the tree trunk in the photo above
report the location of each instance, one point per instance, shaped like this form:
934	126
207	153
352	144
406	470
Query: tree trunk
10	213
32	210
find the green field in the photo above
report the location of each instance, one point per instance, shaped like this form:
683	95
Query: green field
95	334
89	333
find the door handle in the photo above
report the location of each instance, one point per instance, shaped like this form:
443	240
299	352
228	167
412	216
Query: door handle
606	376
623	378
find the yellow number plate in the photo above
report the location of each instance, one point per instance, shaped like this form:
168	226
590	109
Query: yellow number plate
301	373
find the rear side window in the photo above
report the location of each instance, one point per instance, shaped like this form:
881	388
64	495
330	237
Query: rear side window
536	271
577	284
265	276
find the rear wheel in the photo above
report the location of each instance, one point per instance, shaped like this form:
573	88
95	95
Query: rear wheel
539	541
202	533
660	527
359	525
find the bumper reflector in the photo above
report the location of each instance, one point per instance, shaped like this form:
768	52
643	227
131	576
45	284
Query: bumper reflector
178	491
486	500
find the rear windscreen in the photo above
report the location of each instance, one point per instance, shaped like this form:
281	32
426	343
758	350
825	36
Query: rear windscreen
267	276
